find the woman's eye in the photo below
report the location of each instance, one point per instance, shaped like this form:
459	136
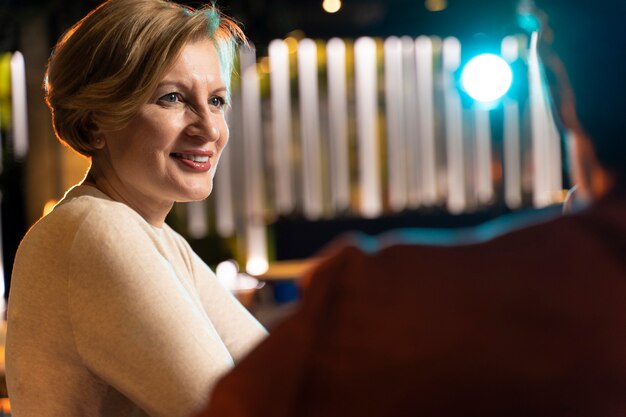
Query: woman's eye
170	98
217	101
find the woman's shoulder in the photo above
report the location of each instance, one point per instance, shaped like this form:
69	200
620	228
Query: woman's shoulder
79	226
81	200
86	211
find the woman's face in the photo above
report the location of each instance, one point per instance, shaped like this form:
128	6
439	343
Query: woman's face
169	151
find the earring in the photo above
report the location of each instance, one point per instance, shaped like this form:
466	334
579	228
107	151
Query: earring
98	142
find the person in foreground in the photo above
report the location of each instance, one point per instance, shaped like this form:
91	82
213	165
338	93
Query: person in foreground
530	323
111	313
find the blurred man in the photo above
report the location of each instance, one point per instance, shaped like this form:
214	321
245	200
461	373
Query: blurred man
530	323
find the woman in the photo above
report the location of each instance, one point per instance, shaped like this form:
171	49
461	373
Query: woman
111	312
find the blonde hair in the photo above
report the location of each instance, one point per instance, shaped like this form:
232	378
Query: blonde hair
109	63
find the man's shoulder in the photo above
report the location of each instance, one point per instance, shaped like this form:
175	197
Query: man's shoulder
402	260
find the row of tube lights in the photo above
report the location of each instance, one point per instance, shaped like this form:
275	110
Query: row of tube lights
333	6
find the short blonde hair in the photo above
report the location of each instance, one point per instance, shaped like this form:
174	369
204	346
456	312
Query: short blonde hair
109	63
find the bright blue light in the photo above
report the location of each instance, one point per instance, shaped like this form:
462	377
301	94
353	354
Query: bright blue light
486	77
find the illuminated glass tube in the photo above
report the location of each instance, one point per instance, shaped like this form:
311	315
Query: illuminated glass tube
482	169
5	77
426	137
19	107
256	242
555	156
281	125
546	146
411	122
197	224
229	182
224	208
309	129
338	124
255	233
540	176
456	200
252	129
367	127
394	117
512	153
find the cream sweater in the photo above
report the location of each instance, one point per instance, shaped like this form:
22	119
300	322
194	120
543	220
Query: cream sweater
110	316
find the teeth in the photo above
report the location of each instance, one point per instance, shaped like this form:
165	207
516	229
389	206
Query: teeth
194	158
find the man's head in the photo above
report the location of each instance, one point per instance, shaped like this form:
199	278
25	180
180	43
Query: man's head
583	44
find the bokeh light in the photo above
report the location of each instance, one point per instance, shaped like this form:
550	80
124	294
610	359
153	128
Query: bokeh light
331	6
486	77
257	266
435	5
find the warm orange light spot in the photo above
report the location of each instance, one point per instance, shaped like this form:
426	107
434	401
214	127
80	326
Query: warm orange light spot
436	5
47	208
264	65
5	406
292	44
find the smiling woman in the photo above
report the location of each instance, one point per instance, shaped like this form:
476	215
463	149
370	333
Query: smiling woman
111	312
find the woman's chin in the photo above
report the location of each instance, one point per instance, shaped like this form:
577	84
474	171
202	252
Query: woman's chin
195	197
188	195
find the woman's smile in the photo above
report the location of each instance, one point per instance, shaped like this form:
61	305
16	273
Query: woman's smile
195	160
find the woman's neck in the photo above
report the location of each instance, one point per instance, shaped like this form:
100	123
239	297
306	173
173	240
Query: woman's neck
153	213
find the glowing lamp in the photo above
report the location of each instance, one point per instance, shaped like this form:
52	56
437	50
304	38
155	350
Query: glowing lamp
486	77
331	6
257	266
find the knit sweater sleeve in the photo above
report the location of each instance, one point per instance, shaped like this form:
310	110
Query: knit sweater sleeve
237	328
135	326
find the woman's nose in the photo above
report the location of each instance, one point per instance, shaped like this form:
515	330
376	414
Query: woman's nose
205	126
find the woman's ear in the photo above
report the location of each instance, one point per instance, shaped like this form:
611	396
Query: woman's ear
96	136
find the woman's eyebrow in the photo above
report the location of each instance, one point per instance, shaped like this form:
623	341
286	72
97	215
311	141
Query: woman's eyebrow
183	85
221	89
171	83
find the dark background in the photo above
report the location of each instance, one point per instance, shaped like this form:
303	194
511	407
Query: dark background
264	20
